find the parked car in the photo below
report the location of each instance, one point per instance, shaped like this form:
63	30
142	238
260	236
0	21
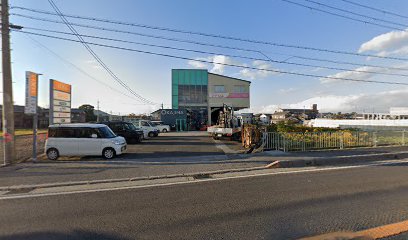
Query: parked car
126	130
80	139
147	125
161	126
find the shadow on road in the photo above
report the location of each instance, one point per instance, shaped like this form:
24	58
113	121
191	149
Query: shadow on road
76	234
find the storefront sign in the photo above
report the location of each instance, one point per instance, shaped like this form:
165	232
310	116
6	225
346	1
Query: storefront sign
229	95
172	112
60	102
238	95
31	99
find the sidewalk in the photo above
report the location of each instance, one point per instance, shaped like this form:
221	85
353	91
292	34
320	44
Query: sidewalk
88	169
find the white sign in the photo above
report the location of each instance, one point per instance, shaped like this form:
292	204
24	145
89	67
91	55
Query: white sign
31	99
62	114
62	120
58	95
62	103
219	95
61	109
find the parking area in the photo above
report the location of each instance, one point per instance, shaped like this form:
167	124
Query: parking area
181	144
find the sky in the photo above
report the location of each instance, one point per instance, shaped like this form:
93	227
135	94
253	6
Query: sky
273	21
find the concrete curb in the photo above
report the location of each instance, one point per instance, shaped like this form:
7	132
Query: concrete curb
317	161
76	183
336	160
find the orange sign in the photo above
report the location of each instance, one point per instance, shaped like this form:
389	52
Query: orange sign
62	96
60	86
32	85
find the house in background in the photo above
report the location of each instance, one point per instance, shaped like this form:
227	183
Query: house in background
294	114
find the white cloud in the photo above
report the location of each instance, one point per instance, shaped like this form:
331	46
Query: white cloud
197	64
257	74
359	73
391	43
380	102
288	90
366	73
218	62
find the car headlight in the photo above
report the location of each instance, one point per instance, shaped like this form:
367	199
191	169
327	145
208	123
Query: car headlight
117	142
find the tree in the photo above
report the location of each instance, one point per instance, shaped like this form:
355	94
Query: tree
89	112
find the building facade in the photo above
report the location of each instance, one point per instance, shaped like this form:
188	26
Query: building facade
202	95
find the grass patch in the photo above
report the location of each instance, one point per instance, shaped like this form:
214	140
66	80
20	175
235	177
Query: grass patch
19	132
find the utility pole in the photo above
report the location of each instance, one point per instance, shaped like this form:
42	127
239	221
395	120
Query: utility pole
8	108
97	107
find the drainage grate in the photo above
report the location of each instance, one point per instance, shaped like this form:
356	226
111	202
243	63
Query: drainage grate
201	176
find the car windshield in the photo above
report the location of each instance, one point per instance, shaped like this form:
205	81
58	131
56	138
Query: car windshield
130	126
106	132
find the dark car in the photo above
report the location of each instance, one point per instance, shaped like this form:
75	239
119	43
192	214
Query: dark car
126	130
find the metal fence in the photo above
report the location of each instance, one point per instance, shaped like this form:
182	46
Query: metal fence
24	147
294	141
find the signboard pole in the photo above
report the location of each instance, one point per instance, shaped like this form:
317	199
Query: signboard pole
51	111
31	105
35	123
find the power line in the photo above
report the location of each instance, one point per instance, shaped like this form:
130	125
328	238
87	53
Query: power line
96	57
218	63
237	48
347	17
216	53
220	46
376	9
356	14
77	68
217	35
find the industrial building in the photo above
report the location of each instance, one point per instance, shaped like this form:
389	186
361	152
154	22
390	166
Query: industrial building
202	95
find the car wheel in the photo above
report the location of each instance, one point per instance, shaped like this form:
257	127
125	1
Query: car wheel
52	154
164	130
108	153
151	134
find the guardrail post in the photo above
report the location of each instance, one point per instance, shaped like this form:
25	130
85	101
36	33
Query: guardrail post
342	140
303	143
374	139
403	138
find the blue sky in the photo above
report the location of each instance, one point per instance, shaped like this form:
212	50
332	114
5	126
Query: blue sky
274	21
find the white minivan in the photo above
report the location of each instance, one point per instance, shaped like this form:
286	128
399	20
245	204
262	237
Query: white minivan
161	126
145	125
83	139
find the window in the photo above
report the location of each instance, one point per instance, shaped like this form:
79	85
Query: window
62	133
145	124
219	89
106	132
117	127
129	126
87	132
239	89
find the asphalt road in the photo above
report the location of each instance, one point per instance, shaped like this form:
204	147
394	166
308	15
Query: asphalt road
179	144
265	207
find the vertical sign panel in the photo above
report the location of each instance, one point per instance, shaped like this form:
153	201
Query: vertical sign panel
60	102
31	98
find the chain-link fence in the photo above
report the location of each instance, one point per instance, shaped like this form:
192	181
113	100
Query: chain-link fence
294	141
24	147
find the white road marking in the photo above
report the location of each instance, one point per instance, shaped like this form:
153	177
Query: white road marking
22	196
